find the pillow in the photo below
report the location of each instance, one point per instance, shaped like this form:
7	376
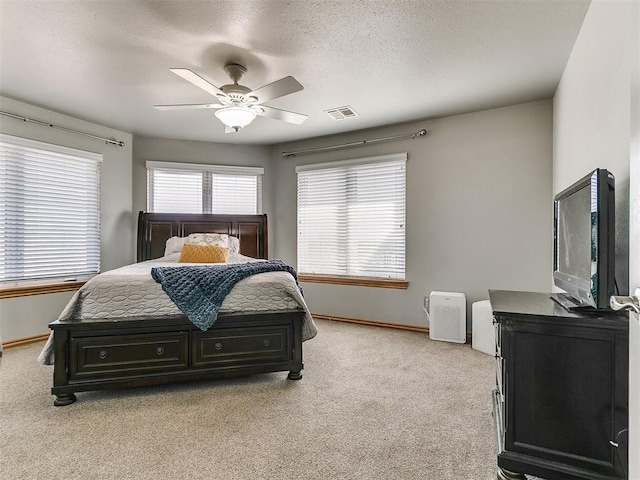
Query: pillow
234	244
174	245
220	239
193	253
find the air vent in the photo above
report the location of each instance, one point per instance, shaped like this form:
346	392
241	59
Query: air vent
341	113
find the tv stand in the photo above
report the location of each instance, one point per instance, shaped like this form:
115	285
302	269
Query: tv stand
564	300
562	389
569	304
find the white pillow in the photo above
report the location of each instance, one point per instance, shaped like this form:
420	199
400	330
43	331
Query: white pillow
219	239
174	245
234	245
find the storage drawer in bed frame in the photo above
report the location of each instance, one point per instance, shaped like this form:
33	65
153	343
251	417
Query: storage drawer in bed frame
235	346
128	353
126	356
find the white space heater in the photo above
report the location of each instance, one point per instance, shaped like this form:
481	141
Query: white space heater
448	316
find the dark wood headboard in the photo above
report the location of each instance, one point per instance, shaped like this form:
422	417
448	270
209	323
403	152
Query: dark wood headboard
154	229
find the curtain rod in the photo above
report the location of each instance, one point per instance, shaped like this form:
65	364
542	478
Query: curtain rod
354	144
26	119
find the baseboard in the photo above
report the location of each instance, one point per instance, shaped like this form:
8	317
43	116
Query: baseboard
398	326
333	318
25	341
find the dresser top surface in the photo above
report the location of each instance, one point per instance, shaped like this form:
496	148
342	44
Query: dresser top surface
539	304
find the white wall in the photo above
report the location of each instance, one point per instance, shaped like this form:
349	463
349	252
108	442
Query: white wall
29	316
591	114
479	210
167	150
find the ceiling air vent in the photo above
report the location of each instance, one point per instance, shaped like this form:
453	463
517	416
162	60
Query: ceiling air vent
341	113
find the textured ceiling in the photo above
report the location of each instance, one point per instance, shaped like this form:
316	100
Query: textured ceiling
391	61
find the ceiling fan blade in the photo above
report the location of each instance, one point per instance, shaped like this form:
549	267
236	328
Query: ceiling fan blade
188	106
279	88
198	81
278	114
228	129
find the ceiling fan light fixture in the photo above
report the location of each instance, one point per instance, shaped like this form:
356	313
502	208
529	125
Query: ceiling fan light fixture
238	104
235	117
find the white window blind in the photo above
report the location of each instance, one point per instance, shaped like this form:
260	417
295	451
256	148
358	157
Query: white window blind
195	188
49	212
176	192
351	217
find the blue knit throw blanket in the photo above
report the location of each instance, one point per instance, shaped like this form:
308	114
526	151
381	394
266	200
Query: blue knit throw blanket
198	291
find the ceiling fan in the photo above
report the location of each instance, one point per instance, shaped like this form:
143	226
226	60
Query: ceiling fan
239	105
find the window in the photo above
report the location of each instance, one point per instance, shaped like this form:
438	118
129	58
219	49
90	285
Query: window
351	217
195	188
49	212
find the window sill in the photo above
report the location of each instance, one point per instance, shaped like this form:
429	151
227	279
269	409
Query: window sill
39	289
356	281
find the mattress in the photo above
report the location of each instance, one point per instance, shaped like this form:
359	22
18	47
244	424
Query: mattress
131	292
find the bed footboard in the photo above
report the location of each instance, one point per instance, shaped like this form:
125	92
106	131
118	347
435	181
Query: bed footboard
124	353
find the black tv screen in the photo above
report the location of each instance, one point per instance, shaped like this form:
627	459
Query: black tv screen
584	240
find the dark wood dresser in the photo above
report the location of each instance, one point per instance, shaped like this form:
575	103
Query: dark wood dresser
561	401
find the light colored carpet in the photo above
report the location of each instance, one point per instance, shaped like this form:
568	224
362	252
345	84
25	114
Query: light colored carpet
374	403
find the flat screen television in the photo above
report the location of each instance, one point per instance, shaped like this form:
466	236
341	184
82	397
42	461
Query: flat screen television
584	242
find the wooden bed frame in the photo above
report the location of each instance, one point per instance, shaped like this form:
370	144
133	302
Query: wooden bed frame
123	353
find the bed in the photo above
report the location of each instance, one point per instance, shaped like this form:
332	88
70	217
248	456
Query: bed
150	342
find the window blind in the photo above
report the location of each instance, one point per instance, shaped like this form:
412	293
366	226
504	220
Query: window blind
49	212
196	188
351	217
175	191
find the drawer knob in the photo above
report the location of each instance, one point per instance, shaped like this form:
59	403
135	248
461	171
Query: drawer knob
160	350
102	355
218	346
266	342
